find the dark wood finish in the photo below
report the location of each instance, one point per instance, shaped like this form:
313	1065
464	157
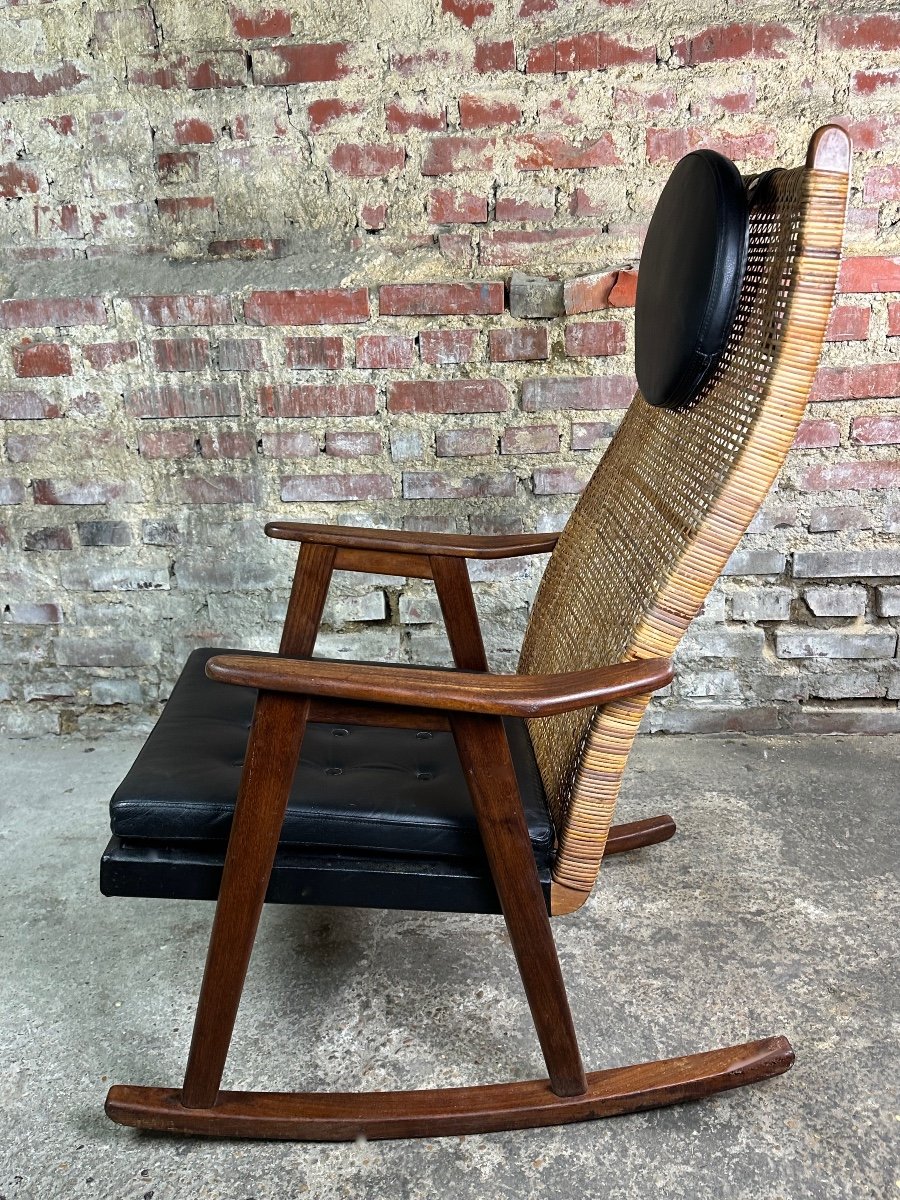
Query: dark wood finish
348	712
632	835
463	691
272	752
454	592
454	545
488	767
411	566
346	1116
308	594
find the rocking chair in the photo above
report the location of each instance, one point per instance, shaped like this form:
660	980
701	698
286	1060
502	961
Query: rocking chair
460	790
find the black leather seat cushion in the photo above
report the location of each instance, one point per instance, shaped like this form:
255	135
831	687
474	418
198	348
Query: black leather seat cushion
689	283
361	789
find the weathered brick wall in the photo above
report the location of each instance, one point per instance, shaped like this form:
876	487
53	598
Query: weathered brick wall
258	262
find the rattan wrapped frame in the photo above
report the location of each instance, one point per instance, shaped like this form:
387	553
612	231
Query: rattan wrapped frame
672	497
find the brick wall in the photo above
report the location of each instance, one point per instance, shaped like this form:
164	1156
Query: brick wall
378	267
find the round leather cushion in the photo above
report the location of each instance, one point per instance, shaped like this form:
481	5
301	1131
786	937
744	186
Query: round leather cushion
689	282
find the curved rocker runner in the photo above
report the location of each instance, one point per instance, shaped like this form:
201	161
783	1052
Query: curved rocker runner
504	786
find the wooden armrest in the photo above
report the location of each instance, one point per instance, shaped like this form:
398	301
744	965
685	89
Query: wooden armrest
456	691
453	545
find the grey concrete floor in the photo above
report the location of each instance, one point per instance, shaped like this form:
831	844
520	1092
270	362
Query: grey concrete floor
774	910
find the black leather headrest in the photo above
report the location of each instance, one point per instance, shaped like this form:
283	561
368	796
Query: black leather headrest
690	276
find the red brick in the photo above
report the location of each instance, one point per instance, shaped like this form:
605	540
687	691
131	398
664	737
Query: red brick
558	481
882	183
166	311
613	53
36	83
401	118
383	351
435	485
181	208
447	396
314	353
16	180
223	69
467	12
42	360
318	62
181	354
817	434
528	343
373	216
880	31
241	354
264	23
440	299
52	537
864	83
446	207
166	444
856	383
541	60
851	476
325	306
587	435
495	56
432	60
669	145
624	290
589	293
220	489
178	166
535	151
451	155
593	339
345	443
59	491
336	488
156	70
520	208
186	400
726	103
12	491
101	355
871	274
367	161
515	247
894	318
530	439
322	113
722	42
465	443
593	392
883	430
44	314
457	248
870	133
191	131
27	406
483	112
630	103
290	444
848	323
446	347
227	443
318	400
534	8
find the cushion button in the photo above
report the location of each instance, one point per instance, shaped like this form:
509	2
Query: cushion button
340	732
424	775
422	736
333	771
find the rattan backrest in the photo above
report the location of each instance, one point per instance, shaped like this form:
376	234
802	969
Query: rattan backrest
670	500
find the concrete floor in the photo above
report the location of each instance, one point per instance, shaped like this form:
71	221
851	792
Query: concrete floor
774	910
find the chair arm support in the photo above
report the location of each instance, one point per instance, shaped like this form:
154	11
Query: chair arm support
454	691
397	541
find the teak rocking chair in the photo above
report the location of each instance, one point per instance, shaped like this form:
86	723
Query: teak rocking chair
500	790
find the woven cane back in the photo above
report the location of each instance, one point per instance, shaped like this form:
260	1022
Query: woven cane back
669	502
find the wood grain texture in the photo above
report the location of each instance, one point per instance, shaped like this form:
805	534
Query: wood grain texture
307	600
488	767
453	545
454	592
462	691
346	1116
273	749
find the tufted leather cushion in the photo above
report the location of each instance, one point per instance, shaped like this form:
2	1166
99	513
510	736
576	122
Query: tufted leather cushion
388	791
689	283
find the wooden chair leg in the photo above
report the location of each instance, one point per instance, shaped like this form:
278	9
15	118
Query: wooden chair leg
277	731
484	753
454	592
